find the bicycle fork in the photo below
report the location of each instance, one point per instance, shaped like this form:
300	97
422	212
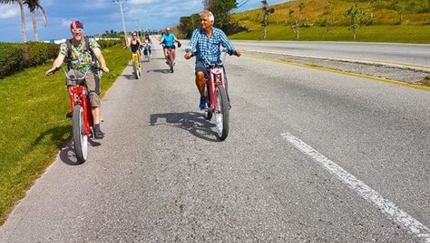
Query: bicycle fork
78	96
216	79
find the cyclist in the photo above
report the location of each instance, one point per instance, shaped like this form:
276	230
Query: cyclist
135	46
148	42
168	41
205	43
80	58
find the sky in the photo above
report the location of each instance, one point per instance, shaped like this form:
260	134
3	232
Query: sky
101	15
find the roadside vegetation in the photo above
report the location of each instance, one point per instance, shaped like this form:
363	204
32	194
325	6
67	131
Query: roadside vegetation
401	21
33	126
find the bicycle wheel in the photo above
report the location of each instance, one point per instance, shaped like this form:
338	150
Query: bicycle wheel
80	139
209	110
136	69
171	62
222	114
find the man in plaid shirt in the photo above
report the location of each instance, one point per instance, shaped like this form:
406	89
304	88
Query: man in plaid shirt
205	45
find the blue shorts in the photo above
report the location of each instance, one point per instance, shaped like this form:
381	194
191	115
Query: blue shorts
200	67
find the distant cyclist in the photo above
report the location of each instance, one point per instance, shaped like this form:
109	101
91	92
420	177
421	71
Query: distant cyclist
205	43
148	43
135	45
168	41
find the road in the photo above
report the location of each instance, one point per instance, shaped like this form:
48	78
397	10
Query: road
411	55
312	156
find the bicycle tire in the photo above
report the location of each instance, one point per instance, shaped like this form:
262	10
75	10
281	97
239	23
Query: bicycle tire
80	139
136	69
209	111
222	116
171	62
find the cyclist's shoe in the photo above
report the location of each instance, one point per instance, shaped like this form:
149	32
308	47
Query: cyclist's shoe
99	134
203	105
69	115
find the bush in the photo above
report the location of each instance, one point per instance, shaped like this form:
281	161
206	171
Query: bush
10	59
15	57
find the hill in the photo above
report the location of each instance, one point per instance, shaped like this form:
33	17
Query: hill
407	20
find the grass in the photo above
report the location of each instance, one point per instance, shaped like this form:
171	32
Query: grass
419	34
33	126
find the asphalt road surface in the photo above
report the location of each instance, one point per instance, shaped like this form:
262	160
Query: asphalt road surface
312	156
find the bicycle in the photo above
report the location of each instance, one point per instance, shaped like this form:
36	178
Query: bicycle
217	99
170	61
82	118
146	52
136	65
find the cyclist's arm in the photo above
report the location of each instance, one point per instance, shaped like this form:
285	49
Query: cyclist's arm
98	53
191	45
56	64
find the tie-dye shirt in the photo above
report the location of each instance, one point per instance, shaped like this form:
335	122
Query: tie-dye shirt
81	58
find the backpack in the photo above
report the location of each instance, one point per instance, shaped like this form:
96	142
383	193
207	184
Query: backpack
87	49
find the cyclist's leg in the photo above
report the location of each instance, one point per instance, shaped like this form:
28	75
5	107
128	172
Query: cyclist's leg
166	55
95	104
201	75
70	84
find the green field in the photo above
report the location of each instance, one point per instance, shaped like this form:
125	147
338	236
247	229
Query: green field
419	34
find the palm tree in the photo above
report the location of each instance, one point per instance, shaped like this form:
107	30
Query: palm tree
33	5
21	6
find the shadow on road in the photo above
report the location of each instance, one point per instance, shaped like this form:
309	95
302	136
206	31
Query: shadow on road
159	70
68	156
193	122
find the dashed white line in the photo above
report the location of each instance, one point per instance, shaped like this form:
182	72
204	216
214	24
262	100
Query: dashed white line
394	213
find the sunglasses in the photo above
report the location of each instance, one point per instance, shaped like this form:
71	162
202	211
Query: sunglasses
77	30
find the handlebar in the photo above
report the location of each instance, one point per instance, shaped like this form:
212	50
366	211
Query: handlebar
92	67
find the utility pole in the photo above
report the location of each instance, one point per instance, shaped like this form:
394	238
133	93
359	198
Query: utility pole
136	21
121	11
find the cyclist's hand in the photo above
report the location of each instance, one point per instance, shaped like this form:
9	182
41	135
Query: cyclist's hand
105	69
51	71
236	53
188	55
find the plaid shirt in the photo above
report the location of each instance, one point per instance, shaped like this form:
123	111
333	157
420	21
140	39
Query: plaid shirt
207	49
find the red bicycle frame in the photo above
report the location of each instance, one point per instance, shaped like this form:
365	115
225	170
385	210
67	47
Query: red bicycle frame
216	78
79	96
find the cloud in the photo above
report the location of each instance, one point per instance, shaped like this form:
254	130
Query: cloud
9	11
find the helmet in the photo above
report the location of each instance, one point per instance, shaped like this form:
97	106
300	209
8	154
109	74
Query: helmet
76	25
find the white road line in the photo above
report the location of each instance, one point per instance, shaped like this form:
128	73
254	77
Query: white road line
394	213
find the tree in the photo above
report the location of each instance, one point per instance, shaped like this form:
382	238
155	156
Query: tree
266	12
33	5
297	22
221	10
21	6
356	16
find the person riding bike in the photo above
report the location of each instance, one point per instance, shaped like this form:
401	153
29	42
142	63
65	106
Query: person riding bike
168	41
135	46
81	58
205	43
148	42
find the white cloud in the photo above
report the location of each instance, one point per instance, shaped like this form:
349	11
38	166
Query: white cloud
8	11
